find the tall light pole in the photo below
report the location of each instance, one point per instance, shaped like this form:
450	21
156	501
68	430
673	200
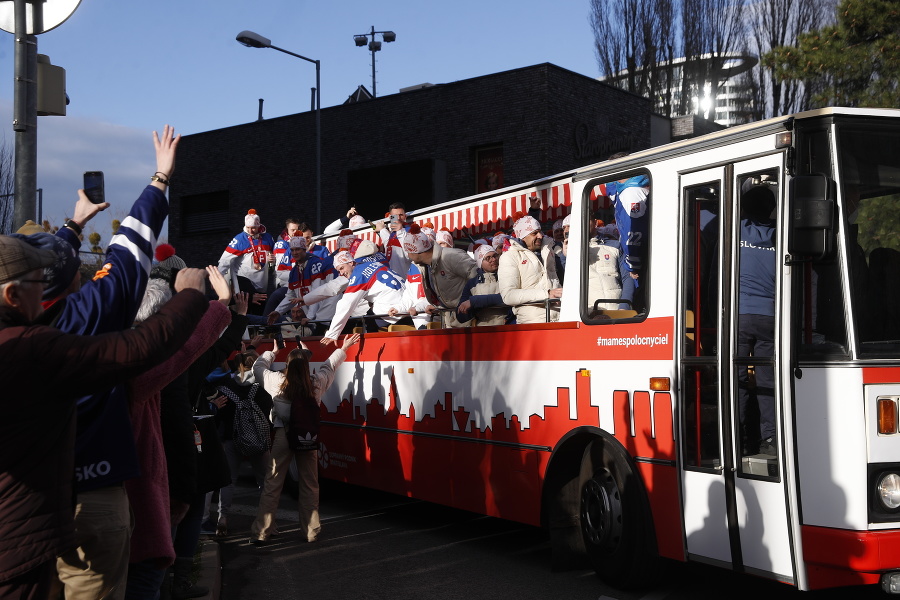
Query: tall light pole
363	38
254	40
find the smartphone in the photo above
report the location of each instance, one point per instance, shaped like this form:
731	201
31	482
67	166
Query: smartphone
93	186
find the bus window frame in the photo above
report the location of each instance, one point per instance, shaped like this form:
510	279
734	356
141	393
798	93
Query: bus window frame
585	223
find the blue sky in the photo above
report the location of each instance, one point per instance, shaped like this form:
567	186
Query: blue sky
133	66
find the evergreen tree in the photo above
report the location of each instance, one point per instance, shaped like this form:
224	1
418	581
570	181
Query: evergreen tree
855	62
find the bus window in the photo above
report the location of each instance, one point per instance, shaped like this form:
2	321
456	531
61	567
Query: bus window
700	337
615	265
870	174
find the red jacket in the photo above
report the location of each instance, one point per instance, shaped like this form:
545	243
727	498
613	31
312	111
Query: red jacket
44	371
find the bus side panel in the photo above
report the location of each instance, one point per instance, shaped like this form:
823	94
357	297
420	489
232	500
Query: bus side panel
468	418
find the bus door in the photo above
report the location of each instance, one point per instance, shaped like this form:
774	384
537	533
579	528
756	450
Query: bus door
735	507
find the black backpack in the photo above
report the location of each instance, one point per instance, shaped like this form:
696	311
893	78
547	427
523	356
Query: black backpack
252	428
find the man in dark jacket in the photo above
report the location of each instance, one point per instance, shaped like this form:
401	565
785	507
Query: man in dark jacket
46	370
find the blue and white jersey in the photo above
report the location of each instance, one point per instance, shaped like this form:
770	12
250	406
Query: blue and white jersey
630	203
104	444
247	255
371	282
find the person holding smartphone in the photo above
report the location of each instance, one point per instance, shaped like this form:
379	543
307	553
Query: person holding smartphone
297	395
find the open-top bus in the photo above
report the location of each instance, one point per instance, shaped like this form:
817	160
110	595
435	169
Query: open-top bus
620	430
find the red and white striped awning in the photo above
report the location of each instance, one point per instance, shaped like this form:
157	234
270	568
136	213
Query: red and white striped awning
489	215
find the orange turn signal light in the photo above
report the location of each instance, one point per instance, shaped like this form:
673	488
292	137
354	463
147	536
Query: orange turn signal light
660	384
887	416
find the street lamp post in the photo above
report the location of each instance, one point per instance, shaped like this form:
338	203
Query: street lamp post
254	40
363	38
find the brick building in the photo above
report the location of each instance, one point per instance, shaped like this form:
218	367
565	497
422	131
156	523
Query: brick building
421	146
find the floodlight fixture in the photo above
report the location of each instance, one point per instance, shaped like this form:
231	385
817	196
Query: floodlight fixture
360	39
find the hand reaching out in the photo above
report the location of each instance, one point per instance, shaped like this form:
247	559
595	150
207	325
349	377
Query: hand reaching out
349	340
165	151
219	285
191	279
241	303
85	210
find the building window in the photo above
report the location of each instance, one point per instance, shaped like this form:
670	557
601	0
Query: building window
204	213
488	168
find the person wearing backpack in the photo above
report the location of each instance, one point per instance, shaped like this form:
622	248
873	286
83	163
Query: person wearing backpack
297	396
244	427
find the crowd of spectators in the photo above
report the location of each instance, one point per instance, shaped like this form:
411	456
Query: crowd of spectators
108	462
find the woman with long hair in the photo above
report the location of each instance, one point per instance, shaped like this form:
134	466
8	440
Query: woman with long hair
297	395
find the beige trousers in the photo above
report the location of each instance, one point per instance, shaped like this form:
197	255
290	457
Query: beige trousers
308	501
98	567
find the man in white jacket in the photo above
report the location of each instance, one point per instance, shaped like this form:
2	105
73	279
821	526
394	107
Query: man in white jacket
527	273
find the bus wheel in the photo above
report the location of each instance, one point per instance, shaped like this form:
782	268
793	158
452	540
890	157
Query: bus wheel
615	524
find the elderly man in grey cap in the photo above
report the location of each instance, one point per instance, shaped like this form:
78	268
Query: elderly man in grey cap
45	370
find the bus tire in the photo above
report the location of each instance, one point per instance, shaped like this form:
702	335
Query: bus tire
616	525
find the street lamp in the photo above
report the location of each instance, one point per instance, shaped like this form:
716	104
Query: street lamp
362	39
254	40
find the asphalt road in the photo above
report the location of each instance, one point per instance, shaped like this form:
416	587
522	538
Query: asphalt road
376	545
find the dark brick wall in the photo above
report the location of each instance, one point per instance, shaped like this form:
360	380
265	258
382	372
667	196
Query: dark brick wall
547	119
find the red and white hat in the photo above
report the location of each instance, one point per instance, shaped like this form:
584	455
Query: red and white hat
251	219
416	240
445	236
567	221
357	220
526	225
298	241
345	239
558	224
365	248
342	258
499	242
481	252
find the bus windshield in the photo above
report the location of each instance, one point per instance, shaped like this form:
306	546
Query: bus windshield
870	184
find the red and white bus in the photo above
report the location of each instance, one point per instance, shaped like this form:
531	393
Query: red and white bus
620	431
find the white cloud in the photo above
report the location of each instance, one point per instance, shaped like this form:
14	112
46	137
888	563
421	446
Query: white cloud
69	146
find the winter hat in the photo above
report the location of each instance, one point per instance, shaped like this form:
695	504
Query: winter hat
365	248
558	224
298	241
345	239
499	241
165	254
567	221
168	266
526	225
609	231
251	219
445	236
30	228
416	241
64	268
357	220
342	258
481	252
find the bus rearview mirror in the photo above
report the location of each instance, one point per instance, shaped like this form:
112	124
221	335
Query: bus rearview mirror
812	214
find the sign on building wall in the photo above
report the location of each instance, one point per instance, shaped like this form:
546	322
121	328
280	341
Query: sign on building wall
488	169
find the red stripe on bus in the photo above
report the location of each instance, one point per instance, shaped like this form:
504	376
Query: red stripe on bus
840	557
881	375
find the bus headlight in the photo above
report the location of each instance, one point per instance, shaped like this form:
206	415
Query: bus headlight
888	490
